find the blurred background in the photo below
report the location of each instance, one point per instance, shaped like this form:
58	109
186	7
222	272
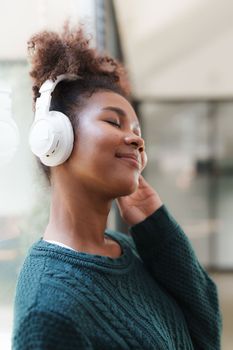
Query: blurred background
179	56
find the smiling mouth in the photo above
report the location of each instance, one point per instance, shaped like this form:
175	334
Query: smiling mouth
130	159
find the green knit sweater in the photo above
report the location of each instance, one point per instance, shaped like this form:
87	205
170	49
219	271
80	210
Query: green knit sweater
154	296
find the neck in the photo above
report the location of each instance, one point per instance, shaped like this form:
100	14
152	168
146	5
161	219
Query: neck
78	218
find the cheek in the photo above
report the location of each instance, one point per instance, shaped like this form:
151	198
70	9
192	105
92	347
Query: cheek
95	146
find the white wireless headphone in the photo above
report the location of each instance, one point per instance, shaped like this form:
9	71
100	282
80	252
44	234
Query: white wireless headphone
51	135
9	134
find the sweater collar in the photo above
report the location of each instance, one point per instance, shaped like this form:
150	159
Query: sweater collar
123	262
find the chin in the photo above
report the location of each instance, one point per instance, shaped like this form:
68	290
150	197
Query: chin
127	187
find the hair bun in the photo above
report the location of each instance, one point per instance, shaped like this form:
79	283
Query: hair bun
52	54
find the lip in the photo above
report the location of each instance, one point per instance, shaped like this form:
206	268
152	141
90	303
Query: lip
130	158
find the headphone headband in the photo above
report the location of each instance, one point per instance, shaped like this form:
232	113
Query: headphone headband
43	102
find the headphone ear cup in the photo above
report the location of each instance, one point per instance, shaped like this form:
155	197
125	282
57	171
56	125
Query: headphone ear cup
51	138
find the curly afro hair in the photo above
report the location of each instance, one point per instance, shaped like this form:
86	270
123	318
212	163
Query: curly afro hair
52	54
70	52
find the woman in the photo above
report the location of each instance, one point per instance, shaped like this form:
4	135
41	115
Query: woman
85	287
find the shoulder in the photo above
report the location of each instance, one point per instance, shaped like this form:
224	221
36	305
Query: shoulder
29	278
48	283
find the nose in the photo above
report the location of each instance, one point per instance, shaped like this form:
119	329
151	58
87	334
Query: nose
136	141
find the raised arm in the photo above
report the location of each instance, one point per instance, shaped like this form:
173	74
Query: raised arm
168	255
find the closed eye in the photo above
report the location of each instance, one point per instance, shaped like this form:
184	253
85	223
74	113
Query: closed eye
114	123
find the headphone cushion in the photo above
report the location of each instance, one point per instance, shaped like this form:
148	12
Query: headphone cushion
51	138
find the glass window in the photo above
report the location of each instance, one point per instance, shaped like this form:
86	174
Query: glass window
190	152
23	200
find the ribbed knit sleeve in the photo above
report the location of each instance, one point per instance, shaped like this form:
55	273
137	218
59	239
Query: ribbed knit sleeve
42	330
170	259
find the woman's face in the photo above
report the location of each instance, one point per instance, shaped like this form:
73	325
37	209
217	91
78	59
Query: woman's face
108	154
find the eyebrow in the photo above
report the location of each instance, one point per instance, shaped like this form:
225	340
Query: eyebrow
119	111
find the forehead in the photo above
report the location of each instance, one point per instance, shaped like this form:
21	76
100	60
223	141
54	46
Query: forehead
103	99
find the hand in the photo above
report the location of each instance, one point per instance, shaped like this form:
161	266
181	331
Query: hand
140	204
